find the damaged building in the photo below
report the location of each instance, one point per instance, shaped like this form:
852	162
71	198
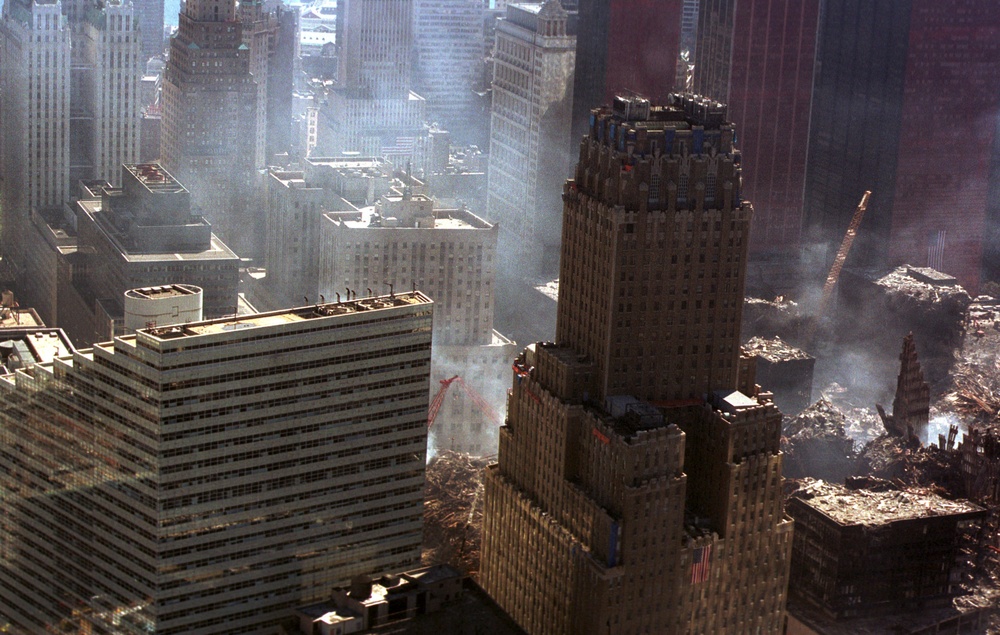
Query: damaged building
785	370
875	310
865	552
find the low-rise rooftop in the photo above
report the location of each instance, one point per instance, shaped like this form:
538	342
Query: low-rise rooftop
273	318
870	508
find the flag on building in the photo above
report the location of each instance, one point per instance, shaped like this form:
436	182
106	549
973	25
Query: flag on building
701	563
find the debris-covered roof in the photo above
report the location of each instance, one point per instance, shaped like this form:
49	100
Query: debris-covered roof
775	350
866	507
916	283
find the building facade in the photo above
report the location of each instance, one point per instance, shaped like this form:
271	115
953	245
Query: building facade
529	131
69	104
448	43
372	109
402	242
888	107
210	129
637	489
758	57
210	477
625	47
150	14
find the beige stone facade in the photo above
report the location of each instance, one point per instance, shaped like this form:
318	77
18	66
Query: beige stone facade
637	490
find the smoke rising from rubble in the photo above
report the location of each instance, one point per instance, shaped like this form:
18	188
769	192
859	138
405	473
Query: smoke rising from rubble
940	424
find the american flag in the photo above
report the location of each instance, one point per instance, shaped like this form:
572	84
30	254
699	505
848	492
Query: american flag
935	250
701	564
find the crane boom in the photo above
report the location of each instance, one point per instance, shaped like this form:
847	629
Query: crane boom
477	399
838	263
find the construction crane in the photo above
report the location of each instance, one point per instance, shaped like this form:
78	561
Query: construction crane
476	398
838	264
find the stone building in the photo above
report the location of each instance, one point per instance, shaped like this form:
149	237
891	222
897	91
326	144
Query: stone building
210	133
530	122
211	477
638	485
69	104
402	243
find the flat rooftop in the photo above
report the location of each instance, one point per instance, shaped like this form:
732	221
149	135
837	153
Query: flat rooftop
775	350
871	508
166	291
33	345
287	316
155	178
19	319
366	218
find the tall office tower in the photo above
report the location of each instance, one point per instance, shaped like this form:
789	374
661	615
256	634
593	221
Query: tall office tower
757	56
529	132
270	34
908	112
69	78
210	477
150	16
448	41
372	109
376	46
209	139
34	113
106	110
402	242
637	490
624	47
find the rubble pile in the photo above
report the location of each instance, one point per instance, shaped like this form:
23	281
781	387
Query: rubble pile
816	445
774	349
915	288
907	464
862	424
453	510
770	318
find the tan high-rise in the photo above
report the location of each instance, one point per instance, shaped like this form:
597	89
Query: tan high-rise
637	489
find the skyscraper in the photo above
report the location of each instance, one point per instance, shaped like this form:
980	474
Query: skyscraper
624	47
210	138
149	13
448	41
69	104
529	131
907	111
758	56
210	477
372	109
637	489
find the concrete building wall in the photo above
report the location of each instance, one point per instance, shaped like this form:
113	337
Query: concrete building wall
529	132
211	478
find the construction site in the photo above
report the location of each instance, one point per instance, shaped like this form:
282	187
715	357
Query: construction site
890	389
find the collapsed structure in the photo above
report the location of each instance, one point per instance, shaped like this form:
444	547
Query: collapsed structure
862	552
787	371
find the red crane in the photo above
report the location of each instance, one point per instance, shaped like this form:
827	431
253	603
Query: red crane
476	398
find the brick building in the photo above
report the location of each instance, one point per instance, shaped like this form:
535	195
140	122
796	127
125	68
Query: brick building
637	490
863	552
